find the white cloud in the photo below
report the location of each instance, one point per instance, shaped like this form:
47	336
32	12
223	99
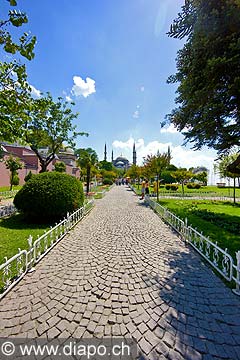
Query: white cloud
181	156
68	98
142	88
138	106
83	88
35	92
170	129
136	114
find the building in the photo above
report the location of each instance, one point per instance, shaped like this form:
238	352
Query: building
121	162
31	162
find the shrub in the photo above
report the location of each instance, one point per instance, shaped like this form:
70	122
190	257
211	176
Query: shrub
28	176
15	180
193	186
172	187
107	181
49	196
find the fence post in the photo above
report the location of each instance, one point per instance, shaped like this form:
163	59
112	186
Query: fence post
30	254
237	290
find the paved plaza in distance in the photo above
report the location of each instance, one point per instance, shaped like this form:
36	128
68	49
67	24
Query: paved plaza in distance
123	272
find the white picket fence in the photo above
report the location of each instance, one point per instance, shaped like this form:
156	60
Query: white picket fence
220	259
7	210
14	269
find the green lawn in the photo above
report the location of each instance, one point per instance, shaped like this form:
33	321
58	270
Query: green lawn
217	219
14	232
7	188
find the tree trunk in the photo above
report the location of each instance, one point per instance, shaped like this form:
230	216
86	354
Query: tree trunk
183	188
88	178
234	190
43	167
11	180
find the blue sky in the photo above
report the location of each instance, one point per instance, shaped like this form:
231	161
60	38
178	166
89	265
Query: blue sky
112	57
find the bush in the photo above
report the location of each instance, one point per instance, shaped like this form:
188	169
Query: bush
107	181
172	187
193	186
49	196
15	180
28	176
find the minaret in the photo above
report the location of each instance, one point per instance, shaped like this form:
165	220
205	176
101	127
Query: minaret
112	155
105	152
134	155
169	154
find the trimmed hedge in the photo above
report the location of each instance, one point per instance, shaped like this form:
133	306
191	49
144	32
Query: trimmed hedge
172	187
193	186
107	181
49	196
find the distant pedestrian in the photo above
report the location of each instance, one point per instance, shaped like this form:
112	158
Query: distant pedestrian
147	187
143	189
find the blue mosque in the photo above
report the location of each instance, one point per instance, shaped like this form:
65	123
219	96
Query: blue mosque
121	162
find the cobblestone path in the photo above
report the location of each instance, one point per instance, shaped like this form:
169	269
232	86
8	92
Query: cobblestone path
120	272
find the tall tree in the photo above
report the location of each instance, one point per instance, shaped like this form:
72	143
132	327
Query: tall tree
49	126
14	89
87	158
208	73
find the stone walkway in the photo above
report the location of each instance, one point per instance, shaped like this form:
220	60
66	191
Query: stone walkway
120	272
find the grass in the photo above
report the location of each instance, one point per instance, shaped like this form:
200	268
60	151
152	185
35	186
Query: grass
7	188
217	219
14	233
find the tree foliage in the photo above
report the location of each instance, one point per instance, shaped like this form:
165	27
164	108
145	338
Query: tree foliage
182	176
87	158
49	125
208	73
156	164
14	89
60	167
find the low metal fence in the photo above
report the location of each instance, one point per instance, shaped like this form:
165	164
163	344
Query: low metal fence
7	210
13	269
220	259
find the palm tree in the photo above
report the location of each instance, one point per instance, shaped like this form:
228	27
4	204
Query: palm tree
87	159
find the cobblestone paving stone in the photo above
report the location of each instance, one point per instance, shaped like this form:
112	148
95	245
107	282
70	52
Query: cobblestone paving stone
123	272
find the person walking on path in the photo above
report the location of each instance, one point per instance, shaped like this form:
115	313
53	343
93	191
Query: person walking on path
143	189
147	188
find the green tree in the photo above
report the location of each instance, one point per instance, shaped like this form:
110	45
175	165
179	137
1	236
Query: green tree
201	176
13	165
222	168
60	167
14	89
182	176
106	165
208	73
49	126
134	172
87	159
156	165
